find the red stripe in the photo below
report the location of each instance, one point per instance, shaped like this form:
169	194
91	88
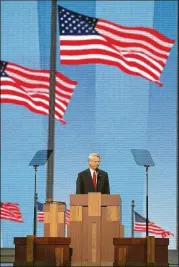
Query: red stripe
27	84
10	211
37	103
110	45
145	60
82	42
110	62
25	104
58	74
26	94
133	45
45	96
104	61
144	29
115	56
133	36
152	228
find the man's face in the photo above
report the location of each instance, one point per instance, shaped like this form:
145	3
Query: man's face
94	162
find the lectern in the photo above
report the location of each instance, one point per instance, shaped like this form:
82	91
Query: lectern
54	219
95	219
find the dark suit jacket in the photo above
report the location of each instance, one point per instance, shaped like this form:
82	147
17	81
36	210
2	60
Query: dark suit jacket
84	182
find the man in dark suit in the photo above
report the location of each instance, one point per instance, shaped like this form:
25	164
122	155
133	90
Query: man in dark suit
93	179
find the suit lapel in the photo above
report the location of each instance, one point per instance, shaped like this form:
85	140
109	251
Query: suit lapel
99	181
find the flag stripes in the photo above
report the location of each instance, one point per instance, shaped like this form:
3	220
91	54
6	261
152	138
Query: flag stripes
30	88
140	226
137	51
10	211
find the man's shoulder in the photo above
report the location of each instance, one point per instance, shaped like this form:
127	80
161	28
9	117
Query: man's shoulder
83	172
102	172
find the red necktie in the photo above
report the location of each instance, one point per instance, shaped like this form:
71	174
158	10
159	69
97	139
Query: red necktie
94	179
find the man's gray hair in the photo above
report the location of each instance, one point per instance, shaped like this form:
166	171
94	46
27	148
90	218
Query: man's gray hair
90	157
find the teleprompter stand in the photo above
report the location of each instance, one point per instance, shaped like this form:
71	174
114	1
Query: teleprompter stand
39	159
143	158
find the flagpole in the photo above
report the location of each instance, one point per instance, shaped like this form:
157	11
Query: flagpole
132	215
35	201
147	216
51	123
1	237
177	215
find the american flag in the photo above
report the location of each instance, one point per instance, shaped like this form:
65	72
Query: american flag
10	211
137	51
40	215
140	226
30	88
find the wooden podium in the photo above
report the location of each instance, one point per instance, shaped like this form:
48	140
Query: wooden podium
54	219
95	219
145	252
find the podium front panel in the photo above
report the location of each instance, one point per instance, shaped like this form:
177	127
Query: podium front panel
94	237
75	233
94	222
85	234
109	230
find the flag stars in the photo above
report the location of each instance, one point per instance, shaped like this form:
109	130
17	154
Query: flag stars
73	23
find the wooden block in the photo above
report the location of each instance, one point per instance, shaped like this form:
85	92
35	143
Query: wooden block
61	207
150	249
113	213
30	248
121	230
46	229
122	256
94	204
46	217
109	230
75	233
110	200
75	213
53	219
94	236
53	216
59	256
53	212
46	207
85	238
61	217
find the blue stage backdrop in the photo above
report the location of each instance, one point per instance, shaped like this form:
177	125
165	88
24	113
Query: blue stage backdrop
110	113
